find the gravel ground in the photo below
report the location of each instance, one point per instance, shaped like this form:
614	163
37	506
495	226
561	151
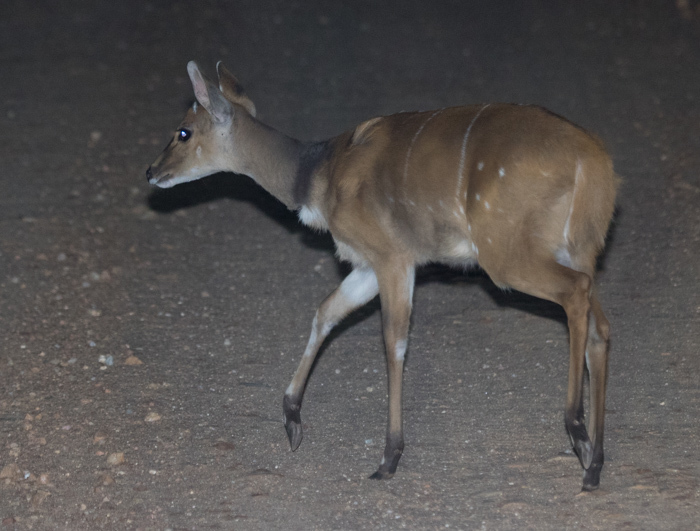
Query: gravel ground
148	336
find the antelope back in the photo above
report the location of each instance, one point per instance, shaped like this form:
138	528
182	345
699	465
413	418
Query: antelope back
475	183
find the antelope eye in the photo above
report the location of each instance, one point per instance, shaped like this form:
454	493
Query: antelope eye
183	135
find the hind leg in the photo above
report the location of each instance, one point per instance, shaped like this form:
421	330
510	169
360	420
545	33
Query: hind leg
597	349
545	278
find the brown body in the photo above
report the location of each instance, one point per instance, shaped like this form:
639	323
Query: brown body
521	192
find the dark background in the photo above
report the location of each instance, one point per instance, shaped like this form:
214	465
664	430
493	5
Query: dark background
213	285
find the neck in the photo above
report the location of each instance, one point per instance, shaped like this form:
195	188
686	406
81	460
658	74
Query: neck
280	164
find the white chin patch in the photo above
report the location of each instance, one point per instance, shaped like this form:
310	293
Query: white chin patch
179	179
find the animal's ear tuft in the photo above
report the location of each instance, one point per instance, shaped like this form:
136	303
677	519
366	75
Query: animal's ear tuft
208	95
232	89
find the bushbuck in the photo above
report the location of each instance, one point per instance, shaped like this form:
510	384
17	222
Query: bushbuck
515	189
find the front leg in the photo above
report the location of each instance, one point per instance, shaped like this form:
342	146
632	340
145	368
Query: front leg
396	292
356	290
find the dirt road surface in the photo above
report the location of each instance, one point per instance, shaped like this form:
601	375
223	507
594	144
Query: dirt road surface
148	336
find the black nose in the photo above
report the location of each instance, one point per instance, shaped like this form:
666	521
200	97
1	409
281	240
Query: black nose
149	175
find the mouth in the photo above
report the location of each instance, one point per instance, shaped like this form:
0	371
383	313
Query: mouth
162	181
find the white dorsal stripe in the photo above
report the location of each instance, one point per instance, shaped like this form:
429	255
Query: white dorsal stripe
463	155
415	137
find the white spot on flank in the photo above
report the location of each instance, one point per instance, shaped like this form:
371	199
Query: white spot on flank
486	205
478	197
489	240
415	137
501	172
199	152
461	209
411	203
391	199
463	154
430	208
456	214
475	249
480	166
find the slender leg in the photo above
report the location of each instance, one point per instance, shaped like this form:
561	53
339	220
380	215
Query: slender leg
577	310
571	289
396	292
597	362
357	289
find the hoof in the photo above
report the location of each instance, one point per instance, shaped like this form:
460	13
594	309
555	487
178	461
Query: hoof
294	433
580	442
584	450
292	422
382	473
591	478
392	454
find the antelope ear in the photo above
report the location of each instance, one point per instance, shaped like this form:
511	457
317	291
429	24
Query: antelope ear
208	95
232	89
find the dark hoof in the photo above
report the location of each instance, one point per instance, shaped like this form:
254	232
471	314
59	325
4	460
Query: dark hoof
591	478
294	433
382	473
584	450
392	454
580	442
292	421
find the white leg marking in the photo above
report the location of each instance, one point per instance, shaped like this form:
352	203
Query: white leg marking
463	155
289	392
312	338
360	286
400	350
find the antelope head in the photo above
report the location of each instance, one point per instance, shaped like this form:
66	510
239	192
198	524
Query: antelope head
206	140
